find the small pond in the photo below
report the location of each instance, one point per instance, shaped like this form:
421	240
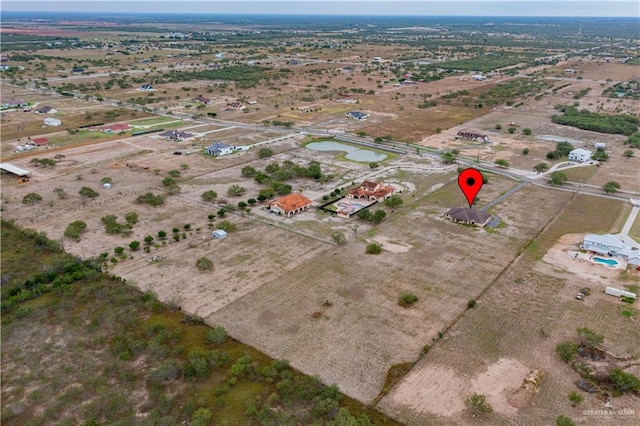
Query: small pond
353	153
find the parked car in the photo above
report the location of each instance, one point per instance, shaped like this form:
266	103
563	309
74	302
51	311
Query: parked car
177	153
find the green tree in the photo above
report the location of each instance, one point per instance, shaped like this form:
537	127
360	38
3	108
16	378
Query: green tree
148	240
393	201
85	191
204	264
265	153
209	196
236	190
478	405
118	250
448	158
131	218
498	126
611	187
502	162
628	153
373	248
162	234
558	178
105	179
541	167
378	216
625	382
339	238
600	155
168	182
511	129
525	151
374	165
134	245
31	198
526	131
174	173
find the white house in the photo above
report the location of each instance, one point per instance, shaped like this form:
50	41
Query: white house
478	77
218	149
580	155
611	245
50	121
357	115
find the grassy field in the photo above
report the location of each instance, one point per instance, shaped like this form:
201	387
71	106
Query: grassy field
580	174
66	322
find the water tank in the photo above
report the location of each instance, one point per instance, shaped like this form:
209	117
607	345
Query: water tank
106	185
19	148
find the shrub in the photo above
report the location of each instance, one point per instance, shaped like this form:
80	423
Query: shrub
162	235
216	335
558	178
105	179
498	126
201	417
265	153
204	264
373	248
248	171
134	245
625	382
226	226
74	229
471	304
575	398
31	198
209	196
526	131
567	351
407	299
478	405
611	187
563	420
118	250
628	153
131	218
169	182
525	151
85	191
236	190
511	129
502	162
174	173
148	240
151	199
541	167
393	201
589	337
339	238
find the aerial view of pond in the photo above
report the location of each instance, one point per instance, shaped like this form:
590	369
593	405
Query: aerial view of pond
353	153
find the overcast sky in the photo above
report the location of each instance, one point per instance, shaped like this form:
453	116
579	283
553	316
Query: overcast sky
624	8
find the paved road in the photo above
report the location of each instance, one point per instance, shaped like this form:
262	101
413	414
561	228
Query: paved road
505	195
629	223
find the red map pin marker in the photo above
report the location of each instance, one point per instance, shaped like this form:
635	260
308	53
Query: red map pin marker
470	182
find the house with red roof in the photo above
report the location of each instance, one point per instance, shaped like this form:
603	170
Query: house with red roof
115	128
38	142
290	204
372	191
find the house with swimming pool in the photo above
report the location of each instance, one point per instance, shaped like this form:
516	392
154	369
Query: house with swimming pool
613	246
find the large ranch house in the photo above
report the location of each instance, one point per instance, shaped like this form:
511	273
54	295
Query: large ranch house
612	246
468	216
371	191
290	205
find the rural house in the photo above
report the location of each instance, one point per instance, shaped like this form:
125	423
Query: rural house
202	100
50	121
38	142
235	105
472	136
219	234
468	216
290	204
115	128
176	135
357	115
45	110
580	155
372	191
14	103
610	245
218	149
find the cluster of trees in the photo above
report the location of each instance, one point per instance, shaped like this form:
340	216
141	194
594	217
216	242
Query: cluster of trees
602	123
111	225
373	217
44	162
151	199
562	150
31	198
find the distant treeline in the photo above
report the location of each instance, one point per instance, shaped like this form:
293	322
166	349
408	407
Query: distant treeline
602	123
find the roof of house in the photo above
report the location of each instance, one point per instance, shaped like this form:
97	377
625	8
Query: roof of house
580	152
217	146
14	169
176	134
201	99
466	214
44	109
40	141
15	102
605	240
357	114
292	202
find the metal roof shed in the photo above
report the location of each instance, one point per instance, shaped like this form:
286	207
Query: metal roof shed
219	234
14	169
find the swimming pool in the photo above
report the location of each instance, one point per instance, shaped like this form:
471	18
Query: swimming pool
608	262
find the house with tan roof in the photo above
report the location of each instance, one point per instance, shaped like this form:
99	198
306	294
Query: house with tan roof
372	191
290	204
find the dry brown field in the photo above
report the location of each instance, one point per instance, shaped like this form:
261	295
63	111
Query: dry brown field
514	329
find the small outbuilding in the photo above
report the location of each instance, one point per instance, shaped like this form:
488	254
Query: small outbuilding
50	121
219	234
